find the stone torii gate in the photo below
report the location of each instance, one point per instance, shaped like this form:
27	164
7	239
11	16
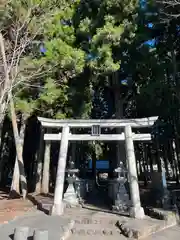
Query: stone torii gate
95	125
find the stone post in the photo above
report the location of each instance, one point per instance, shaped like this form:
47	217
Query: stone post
46	166
21	233
40	235
136	210
58	208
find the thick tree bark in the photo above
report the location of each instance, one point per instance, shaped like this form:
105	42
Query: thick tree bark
19	149
15	187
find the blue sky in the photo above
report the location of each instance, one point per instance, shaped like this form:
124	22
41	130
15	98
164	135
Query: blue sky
151	42
143	4
150	25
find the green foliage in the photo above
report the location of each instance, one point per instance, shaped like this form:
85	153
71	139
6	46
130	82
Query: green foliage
73	40
100	36
77	48
84	43
50	92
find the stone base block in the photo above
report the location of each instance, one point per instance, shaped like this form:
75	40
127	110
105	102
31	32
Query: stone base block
117	191
70	196
140	229
137	212
57	209
80	188
170	216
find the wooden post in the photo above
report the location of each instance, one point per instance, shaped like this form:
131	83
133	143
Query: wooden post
46	169
57	208
136	210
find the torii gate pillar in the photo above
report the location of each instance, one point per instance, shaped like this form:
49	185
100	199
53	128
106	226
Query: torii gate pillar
58	207
136	210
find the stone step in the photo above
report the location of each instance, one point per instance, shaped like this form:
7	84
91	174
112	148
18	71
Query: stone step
100	224
95	229
138	229
96	221
170	233
94	232
100	237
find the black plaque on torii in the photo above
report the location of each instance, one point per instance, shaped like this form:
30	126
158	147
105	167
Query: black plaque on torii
96	130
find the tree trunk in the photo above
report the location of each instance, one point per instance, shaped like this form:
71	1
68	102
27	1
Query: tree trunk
19	149
2	150
144	163
15	188
94	164
39	167
166	162
150	158
158	156
176	159
119	113
7	87
171	157
46	169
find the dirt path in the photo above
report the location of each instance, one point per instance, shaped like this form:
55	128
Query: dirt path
12	208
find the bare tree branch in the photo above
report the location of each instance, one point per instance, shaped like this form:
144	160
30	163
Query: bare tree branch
12	73
169	8
18	145
172	3
15	53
